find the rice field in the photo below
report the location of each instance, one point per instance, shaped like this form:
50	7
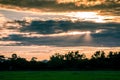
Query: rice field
60	75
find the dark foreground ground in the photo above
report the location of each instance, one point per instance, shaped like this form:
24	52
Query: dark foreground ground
60	75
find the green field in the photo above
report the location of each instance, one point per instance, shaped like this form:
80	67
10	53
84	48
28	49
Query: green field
60	75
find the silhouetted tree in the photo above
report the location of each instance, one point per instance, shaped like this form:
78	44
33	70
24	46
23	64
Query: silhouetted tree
110	55
2	58
98	55
14	56
69	61
56	61
33	59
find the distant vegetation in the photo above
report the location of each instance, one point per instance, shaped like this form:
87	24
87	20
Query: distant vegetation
69	61
52	5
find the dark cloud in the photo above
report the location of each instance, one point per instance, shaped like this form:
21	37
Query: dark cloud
108	35
53	41
65	41
69	5
52	27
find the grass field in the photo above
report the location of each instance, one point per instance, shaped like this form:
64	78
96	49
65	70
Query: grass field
60	75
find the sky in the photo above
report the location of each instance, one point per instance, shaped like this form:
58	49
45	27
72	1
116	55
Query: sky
46	33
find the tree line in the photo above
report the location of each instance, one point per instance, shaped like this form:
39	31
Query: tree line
69	61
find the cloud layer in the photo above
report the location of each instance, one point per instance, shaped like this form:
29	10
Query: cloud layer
66	34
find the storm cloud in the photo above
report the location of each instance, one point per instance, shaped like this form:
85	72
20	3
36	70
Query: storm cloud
67	34
52	27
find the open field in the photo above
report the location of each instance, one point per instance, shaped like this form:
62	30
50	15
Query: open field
60	75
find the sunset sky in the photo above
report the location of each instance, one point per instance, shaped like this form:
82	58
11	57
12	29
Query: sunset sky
46	33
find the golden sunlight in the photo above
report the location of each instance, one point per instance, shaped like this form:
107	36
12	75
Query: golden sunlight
88	37
58	34
87	16
82	14
78	32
